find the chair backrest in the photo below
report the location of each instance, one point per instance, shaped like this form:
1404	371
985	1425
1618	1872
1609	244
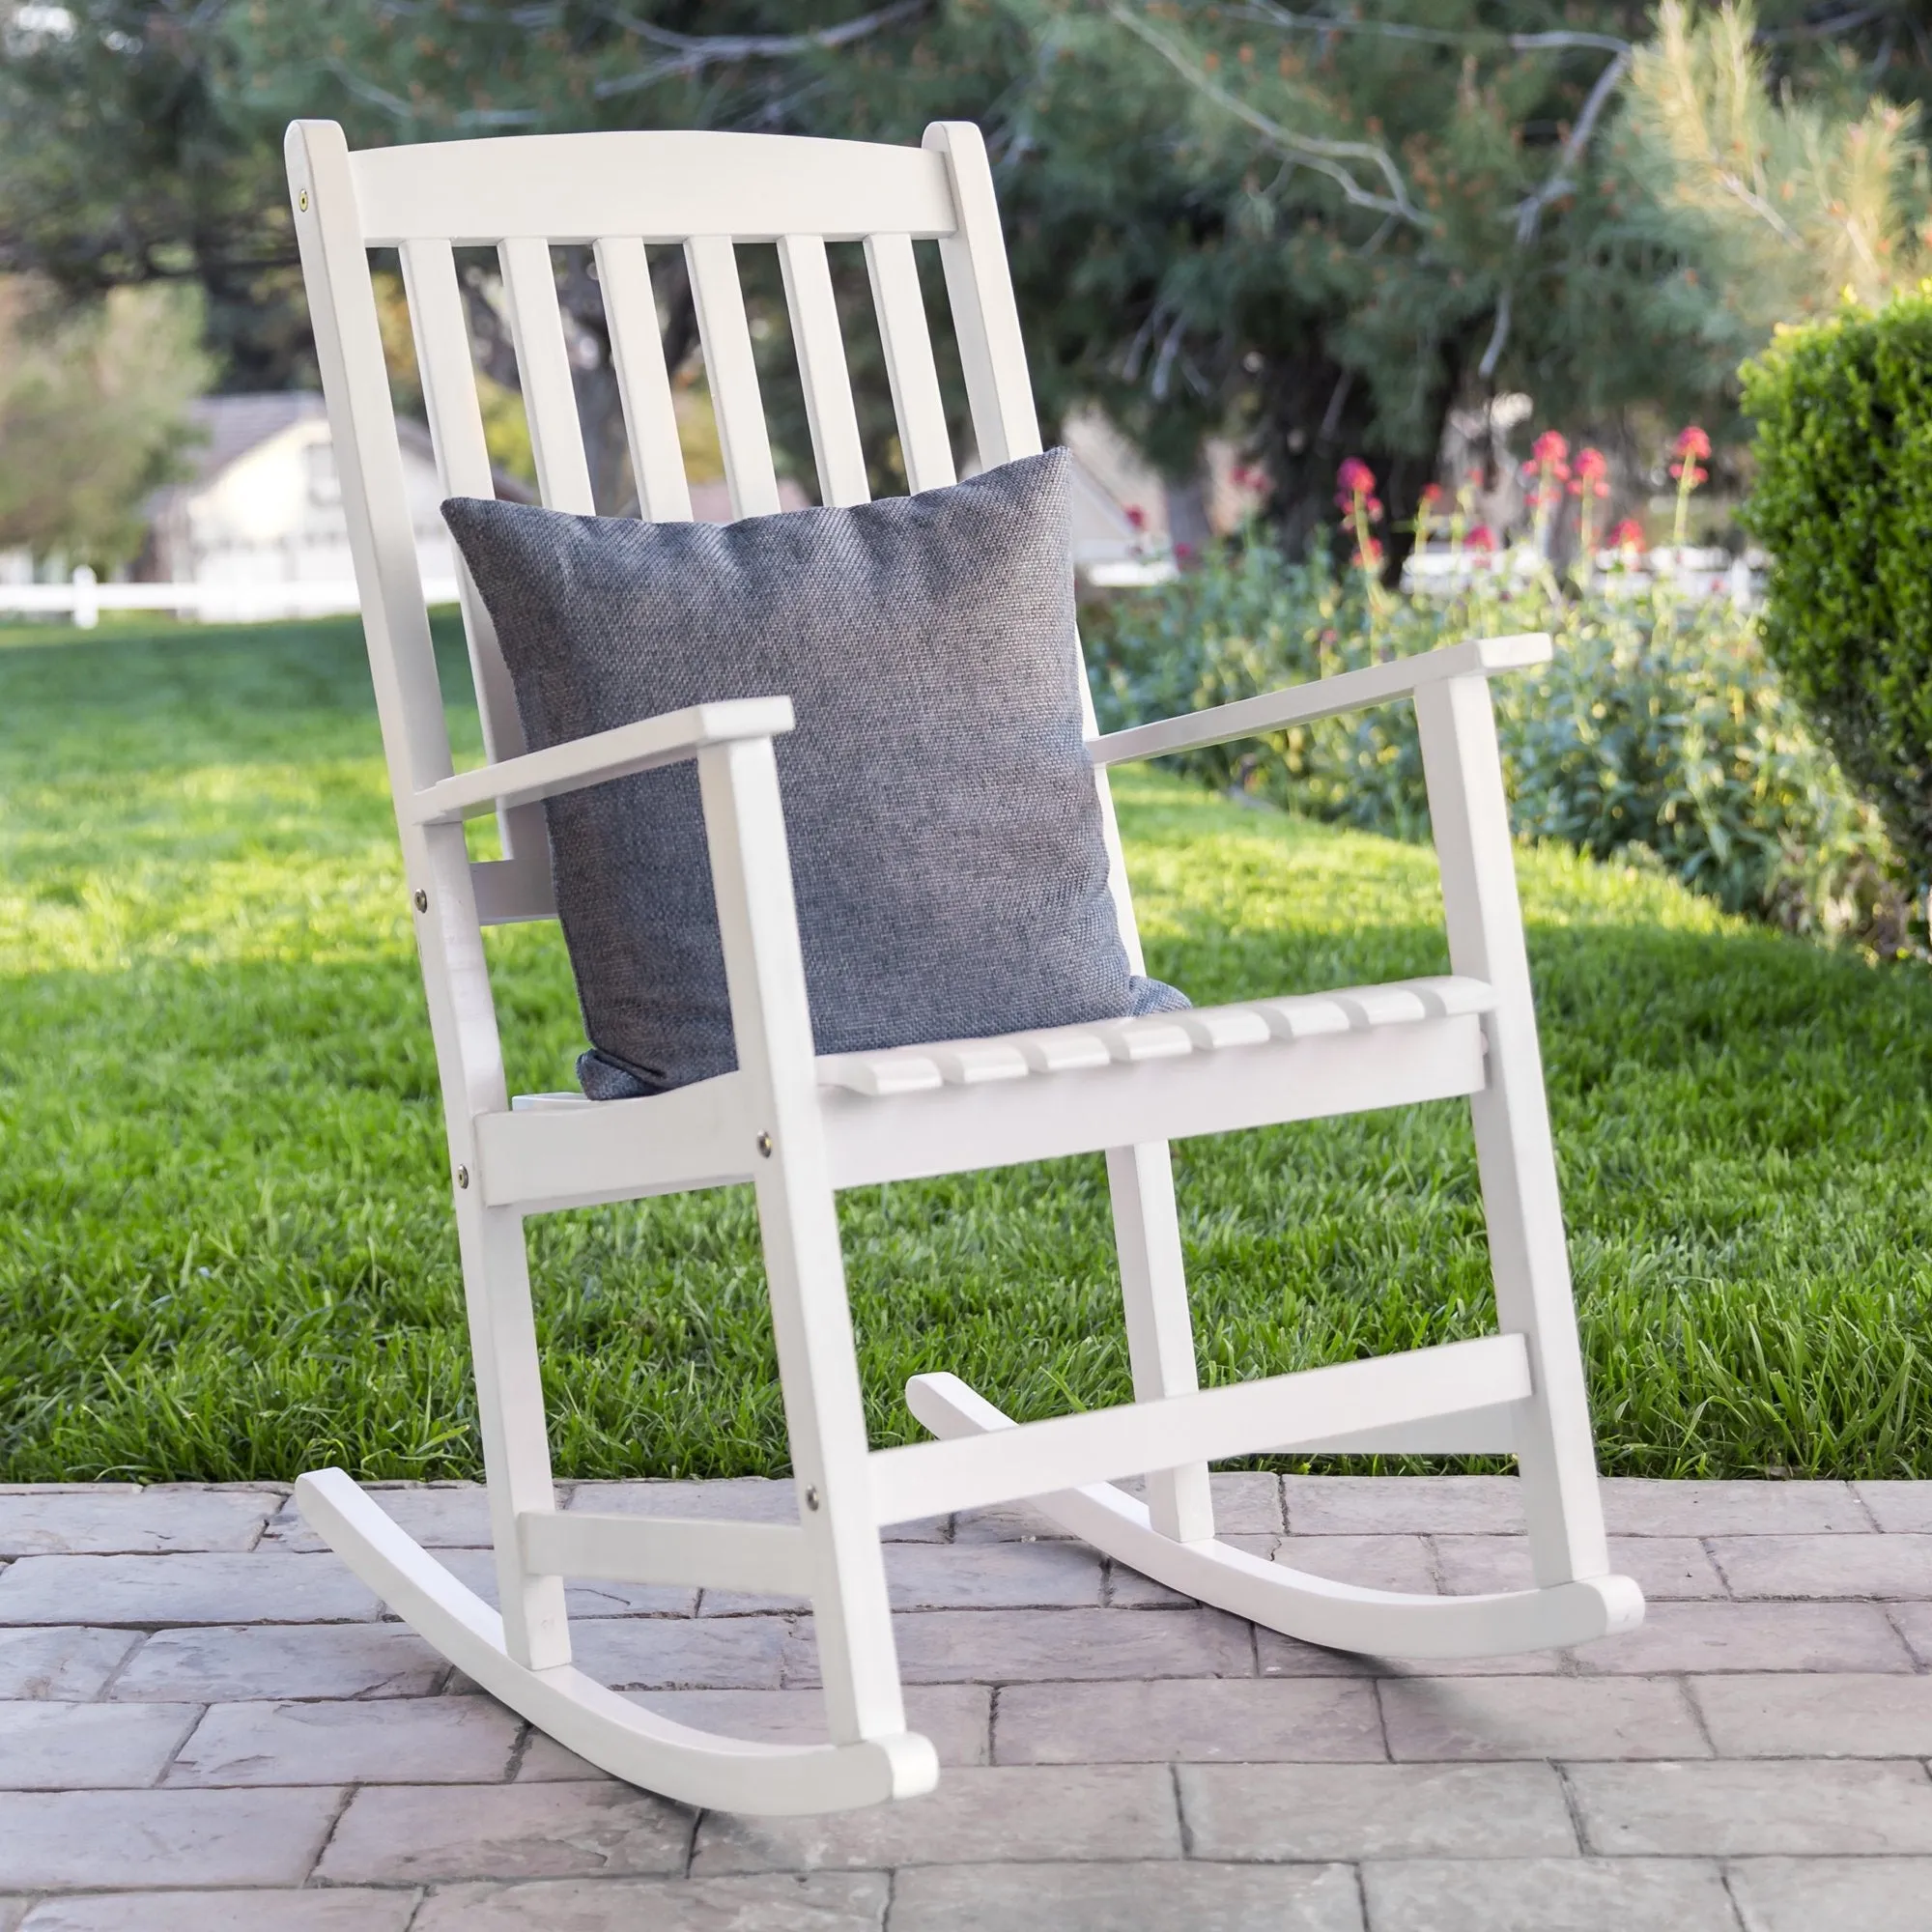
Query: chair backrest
622	193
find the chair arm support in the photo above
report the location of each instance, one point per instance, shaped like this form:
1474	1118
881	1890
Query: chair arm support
640	747
1320	697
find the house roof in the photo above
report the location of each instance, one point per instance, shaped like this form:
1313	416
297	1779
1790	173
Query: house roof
231	426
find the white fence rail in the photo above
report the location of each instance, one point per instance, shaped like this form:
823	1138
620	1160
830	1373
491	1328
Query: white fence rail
83	599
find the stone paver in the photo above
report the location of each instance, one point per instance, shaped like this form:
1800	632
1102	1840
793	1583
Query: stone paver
668	1653
1016	1646
1126	1899
1402	1506
805	1902
946	1576
1725	1808
240	1663
1018	1813
1548	1895
1404	1563
1637	1506
1897	1506
1212	1720
439	1515
391	1741
146	1523
233	1733
1295	1811
476	1569
1816	1716
71	1662
957	1718
356	1911
72	1840
258	1586
1714	1636
1895	1565
1667	1568
415	1833
46	1746
1832	1894
1436	1720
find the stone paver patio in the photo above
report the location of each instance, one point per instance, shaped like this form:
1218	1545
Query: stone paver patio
209	1726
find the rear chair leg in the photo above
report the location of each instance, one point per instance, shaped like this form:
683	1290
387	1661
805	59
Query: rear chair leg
510	1407
1160	1328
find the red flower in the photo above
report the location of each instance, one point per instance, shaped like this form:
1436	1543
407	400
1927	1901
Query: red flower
1356	480
1628	535
1692	441
1481	538
1369	552
1431	495
1137	516
1592	467
1550	450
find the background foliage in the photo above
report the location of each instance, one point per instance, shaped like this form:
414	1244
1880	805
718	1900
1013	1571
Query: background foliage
1658	734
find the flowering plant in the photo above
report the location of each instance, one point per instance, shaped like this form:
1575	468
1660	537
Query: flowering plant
1691	446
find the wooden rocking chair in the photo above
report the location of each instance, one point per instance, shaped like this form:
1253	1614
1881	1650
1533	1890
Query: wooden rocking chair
799	1127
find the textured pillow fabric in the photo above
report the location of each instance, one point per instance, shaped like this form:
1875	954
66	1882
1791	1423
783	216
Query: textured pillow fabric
945	831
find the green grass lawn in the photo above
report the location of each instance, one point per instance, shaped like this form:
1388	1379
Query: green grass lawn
226	1241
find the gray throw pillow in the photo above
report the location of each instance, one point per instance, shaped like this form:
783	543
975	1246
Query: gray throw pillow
945	832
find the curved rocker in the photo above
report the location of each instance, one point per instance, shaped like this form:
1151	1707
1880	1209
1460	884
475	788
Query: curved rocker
702	1768
1316	1609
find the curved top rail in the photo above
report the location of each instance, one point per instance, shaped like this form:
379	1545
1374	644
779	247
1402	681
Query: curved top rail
658	186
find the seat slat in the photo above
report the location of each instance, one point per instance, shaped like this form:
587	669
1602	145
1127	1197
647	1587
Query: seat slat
543	364
732	372
836	447
926	442
637	354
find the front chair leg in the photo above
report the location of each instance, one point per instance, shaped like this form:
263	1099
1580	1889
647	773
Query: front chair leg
1528	1257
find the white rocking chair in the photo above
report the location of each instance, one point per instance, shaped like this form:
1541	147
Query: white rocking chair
799	1127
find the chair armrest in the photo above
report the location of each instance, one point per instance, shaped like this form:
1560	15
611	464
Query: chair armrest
640	747
1320	697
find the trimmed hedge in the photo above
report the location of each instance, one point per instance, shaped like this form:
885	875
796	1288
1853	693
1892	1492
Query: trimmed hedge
1843	503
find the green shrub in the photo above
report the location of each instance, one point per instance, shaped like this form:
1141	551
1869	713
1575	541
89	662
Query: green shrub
1843	502
1660	731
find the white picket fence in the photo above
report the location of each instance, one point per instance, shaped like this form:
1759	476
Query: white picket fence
83	599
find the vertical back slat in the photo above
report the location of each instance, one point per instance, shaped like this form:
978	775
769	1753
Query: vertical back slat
636	352
543	364
732	373
924	440
442	332
836	447
980	287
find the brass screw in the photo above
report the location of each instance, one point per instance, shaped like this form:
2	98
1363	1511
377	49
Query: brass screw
422	901
303	202
463	1177
811	1499
765	1145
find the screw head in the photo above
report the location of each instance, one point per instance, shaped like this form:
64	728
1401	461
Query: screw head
463	1177
422	899
765	1145
812	1498
301	201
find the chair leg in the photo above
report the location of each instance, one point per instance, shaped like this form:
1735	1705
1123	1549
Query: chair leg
1160	1327
804	1266
510	1408
1555	1452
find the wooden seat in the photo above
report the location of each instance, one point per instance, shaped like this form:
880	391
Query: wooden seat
798	1126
